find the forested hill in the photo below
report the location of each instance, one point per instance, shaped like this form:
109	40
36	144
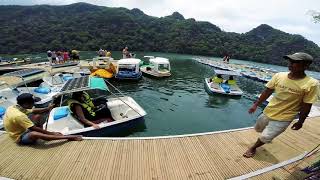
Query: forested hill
82	26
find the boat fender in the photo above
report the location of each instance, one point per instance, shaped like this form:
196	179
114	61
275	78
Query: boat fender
42	90
2	111
61	112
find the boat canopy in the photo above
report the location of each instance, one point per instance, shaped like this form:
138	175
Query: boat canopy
223	72
127	61
82	84
159	60
151	57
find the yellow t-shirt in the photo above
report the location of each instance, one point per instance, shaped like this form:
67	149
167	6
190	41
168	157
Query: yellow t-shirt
16	122
288	96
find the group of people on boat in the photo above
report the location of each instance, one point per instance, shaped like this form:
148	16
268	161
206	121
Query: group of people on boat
24	123
219	79
60	57
104	53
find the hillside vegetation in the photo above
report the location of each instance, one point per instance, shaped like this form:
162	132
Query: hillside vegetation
29	29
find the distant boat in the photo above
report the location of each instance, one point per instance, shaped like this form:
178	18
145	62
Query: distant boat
158	67
223	87
128	69
8	96
13	62
126	112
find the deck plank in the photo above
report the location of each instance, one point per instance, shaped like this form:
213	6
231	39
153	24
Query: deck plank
212	156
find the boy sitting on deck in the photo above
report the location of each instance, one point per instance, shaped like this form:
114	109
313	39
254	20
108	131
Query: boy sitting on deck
22	130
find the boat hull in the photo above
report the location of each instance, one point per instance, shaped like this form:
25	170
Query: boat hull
128	77
120	129
154	74
219	90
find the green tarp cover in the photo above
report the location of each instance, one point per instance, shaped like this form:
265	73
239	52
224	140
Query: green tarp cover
98	83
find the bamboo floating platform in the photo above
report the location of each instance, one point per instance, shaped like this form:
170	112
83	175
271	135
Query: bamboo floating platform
48	70
203	156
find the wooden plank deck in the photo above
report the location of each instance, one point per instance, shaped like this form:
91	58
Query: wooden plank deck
211	156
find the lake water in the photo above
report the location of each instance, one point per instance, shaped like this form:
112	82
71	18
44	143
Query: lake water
180	105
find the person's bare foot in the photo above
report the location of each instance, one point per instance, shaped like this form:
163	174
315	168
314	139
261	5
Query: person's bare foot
249	153
75	138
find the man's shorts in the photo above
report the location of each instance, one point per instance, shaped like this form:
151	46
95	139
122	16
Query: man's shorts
270	128
25	138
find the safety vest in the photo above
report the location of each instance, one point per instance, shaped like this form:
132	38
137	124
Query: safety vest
87	99
87	105
217	80
232	82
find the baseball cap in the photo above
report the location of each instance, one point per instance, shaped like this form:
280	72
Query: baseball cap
299	56
25	97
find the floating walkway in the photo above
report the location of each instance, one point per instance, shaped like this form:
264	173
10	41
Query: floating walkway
203	156
255	73
36	71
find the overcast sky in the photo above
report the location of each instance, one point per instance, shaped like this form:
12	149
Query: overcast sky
239	16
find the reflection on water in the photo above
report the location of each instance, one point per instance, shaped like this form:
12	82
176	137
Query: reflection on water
217	101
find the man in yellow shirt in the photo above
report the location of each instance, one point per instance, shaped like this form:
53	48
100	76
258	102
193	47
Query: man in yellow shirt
22	130
295	92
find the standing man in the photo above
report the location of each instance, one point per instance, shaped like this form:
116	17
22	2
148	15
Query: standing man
22	130
295	92
126	53
49	54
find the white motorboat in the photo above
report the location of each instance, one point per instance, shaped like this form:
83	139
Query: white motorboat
125	111
128	69
223	87
157	67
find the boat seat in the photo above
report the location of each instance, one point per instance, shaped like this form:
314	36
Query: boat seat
234	88
215	86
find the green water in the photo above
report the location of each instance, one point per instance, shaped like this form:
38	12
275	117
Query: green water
179	104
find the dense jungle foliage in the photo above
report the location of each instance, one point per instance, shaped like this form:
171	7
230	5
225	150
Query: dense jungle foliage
30	29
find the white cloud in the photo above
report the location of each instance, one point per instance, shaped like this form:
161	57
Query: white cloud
230	15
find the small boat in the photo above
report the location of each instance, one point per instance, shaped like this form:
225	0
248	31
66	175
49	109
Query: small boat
8	96
128	69
4	104
14	62
223	87
157	67
125	111
43	95
58	79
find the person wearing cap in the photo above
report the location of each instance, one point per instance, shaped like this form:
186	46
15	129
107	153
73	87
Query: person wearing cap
22	130
294	94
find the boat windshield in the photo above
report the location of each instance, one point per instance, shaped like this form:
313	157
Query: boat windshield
163	67
127	67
